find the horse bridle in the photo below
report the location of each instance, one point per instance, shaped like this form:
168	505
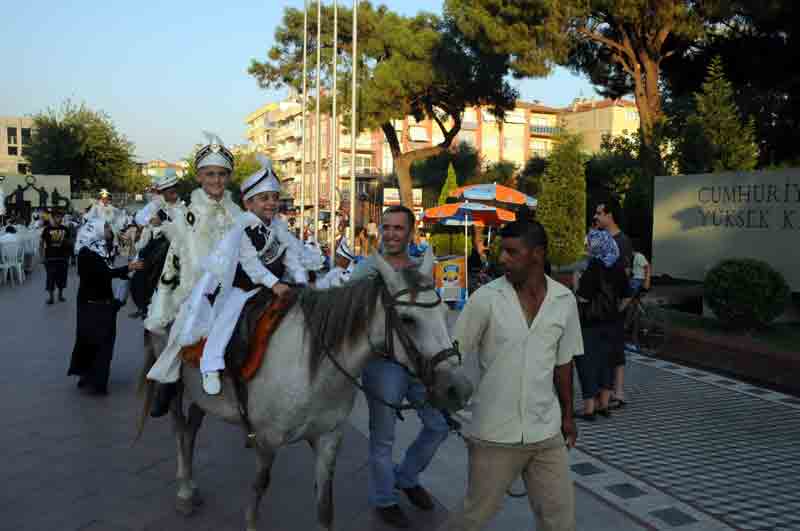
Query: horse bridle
424	367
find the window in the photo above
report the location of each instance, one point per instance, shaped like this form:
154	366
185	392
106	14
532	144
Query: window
12	135
12	151
26	136
418	133
487	116
467	137
630	114
470	120
510	143
22	169
517	116
388	161
539	148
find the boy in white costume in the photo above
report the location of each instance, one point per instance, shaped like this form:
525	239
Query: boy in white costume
210	215
108	212
157	216
259	251
343	268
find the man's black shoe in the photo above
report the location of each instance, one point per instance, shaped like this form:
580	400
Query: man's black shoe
61	297
394	516
419	497
50	299
164	395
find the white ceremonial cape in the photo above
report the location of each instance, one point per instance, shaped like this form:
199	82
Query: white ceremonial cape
194	236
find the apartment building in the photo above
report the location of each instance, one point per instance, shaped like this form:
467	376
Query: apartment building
15	136
158	169
529	130
594	119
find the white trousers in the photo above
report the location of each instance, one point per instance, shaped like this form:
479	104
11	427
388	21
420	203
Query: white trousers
221	331
167	368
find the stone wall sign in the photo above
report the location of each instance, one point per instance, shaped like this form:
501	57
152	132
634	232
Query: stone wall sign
699	220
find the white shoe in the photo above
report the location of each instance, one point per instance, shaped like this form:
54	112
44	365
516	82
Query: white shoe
211	383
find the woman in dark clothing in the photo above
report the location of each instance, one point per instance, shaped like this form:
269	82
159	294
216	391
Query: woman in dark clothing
601	290
97	309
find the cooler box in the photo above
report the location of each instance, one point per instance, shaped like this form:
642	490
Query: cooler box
451	280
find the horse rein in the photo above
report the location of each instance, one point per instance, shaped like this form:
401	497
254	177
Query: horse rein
425	368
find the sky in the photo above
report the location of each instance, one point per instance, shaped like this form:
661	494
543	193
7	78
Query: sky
166	70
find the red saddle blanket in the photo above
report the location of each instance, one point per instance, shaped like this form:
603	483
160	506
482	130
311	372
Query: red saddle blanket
268	322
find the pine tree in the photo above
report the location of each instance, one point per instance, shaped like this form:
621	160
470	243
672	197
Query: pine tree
449	185
731	143
448	240
562	201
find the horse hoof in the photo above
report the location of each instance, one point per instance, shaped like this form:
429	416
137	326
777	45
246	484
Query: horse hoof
184	506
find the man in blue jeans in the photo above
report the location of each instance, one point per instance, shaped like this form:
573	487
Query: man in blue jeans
392	384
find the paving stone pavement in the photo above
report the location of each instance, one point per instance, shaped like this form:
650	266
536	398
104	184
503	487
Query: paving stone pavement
69	463
692	452
724	447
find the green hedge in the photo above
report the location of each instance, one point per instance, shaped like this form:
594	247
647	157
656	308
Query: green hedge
745	293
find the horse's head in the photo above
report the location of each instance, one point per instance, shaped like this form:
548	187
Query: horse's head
415	333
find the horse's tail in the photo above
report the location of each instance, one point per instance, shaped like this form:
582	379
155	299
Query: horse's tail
146	388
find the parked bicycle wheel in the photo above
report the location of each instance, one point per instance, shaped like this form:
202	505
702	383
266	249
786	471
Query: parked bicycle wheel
653	328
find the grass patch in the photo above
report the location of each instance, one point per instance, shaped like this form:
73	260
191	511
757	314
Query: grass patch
783	336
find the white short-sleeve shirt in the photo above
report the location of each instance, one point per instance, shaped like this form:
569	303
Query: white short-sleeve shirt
516	402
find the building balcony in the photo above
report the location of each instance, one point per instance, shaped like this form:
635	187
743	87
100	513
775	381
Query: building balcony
544	130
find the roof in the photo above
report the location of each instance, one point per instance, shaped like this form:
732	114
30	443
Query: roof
589	105
537	107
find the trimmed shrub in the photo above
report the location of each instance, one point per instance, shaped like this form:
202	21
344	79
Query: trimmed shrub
562	201
745	293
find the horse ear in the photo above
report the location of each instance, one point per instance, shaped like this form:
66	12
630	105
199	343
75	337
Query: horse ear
427	263
386	271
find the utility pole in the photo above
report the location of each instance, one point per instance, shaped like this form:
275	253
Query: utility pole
333	172
303	135
318	167
353	130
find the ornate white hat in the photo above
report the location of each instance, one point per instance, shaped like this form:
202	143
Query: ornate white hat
264	180
166	182
344	251
103	193
213	154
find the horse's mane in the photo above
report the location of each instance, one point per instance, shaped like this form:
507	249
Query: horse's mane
334	315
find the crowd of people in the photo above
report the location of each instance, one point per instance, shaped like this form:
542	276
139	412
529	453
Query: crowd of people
192	268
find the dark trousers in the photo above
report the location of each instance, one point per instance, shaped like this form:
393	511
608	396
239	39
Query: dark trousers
94	343
56	273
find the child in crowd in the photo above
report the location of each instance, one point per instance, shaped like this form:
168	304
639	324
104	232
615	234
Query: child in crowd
640	274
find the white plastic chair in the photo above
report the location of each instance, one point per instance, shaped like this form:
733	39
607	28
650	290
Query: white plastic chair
4	267
11	256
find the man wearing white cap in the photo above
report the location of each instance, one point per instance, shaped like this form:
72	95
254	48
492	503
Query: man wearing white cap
259	251
151	247
209	216
343	268
157	216
105	210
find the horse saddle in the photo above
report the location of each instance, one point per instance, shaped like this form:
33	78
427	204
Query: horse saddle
247	348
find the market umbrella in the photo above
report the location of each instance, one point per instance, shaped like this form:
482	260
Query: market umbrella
466	214
494	192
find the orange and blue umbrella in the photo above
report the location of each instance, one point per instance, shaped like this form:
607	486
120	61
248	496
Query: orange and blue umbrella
494	192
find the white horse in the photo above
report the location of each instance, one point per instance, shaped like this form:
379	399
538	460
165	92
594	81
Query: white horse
304	390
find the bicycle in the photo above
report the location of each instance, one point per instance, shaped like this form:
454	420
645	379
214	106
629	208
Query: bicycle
646	326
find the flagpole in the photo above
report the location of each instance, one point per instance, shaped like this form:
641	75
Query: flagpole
317	124
333	173
353	130
303	135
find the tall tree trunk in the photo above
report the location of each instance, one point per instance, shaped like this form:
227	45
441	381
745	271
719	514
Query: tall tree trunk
402	166
648	103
